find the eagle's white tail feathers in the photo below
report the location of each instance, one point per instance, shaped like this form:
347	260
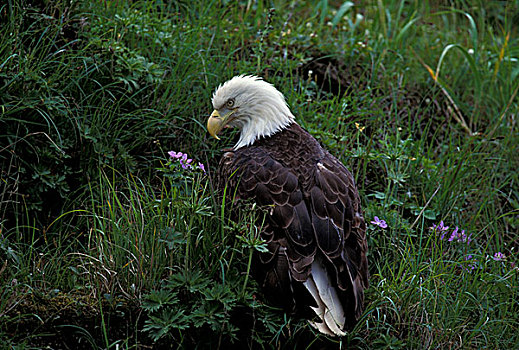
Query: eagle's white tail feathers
329	308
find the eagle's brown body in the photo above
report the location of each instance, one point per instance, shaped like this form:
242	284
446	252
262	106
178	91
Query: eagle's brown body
313	216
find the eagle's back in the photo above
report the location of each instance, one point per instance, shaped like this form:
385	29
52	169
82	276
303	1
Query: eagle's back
313	216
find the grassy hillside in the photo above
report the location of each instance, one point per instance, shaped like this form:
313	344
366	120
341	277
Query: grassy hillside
108	242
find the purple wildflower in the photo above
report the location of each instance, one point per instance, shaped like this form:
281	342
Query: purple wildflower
463	238
440	228
460	236
185	162
379	222
175	155
454	235
499	256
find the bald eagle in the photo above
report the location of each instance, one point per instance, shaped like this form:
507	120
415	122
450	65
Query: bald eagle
314	229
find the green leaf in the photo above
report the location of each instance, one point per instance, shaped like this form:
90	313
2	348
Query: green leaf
159	326
156	299
193	280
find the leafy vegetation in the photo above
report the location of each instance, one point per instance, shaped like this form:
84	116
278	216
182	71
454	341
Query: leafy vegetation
107	241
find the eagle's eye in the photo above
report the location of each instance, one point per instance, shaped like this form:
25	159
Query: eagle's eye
230	103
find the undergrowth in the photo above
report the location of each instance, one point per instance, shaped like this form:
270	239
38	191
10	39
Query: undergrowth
99	224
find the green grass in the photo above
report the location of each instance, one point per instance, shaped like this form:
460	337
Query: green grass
419	99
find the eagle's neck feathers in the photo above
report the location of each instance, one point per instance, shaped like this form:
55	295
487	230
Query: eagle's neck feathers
263	119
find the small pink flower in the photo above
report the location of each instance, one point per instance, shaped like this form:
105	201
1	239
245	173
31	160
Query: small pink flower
459	236
464	238
185	162
454	234
440	228
201	167
379	222
175	155
499	256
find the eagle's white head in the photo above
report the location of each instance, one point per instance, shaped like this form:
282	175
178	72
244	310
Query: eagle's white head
251	104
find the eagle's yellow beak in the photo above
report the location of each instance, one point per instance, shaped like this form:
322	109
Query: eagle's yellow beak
216	122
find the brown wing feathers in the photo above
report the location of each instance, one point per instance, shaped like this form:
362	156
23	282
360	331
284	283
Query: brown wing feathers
313	208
